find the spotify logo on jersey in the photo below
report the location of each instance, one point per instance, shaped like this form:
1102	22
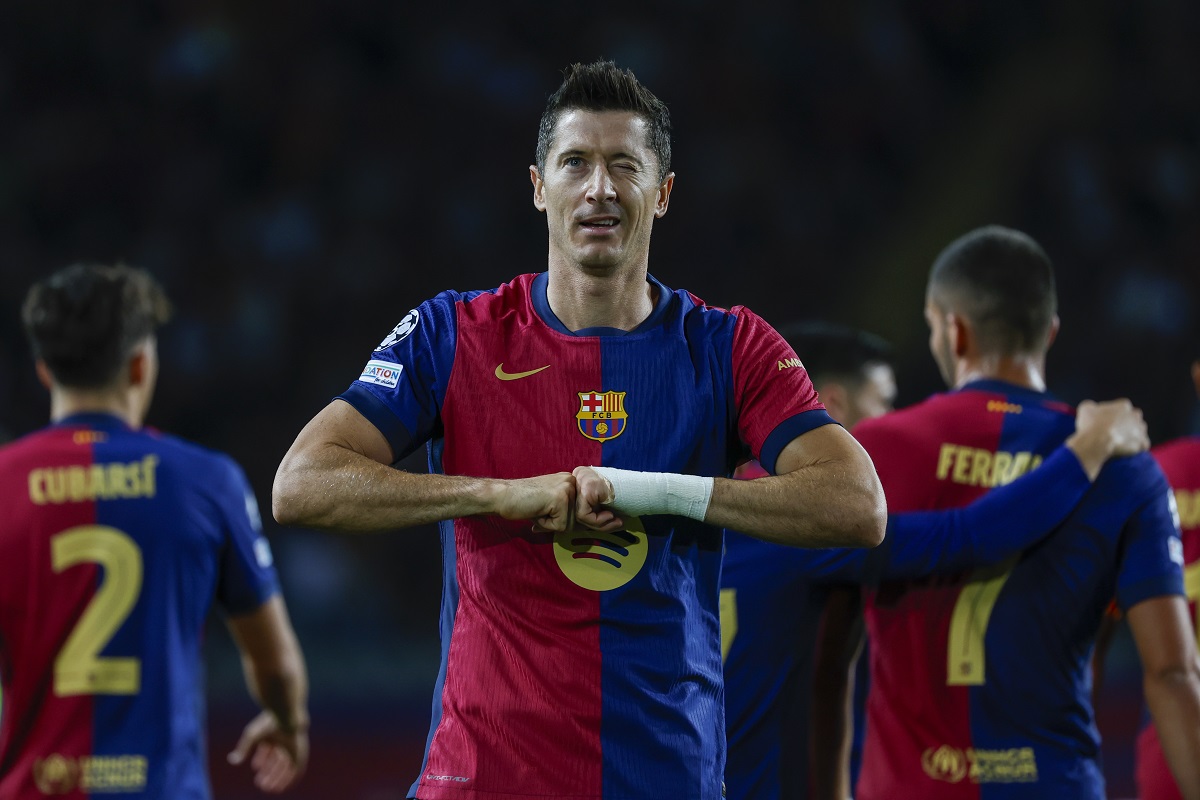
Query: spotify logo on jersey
602	561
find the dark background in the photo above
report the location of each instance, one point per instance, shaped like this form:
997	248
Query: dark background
300	174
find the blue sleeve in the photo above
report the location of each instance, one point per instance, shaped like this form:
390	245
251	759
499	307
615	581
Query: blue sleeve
995	527
1152	558
247	573
403	385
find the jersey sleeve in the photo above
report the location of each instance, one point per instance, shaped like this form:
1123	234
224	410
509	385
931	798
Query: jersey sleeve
775	398
403	384
247	575
1152	558
995	527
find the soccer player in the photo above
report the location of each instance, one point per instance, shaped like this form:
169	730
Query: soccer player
769	670
1180	460
980	686
115	541
581	653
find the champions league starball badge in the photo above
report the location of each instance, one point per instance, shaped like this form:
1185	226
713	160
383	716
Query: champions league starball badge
406	326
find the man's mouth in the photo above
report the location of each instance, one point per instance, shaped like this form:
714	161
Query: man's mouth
599	223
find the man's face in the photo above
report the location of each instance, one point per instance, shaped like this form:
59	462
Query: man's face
939	341
600	190
875	397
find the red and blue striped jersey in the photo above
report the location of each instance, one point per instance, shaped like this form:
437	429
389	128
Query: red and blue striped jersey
980	685
1180	460
772	598
580	665
113	545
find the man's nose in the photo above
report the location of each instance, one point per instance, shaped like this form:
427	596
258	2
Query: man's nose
600	186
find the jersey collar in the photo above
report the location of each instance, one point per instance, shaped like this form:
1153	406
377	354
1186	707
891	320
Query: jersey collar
1003	387
93	419
541	305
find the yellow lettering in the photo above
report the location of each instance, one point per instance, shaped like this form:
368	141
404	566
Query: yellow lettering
78	483
96	485
56	486
37	486
149	464
125	479
1189	508
980	465
945	460
1003	464
962	465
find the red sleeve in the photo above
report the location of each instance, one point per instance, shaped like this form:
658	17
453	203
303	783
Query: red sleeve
774	397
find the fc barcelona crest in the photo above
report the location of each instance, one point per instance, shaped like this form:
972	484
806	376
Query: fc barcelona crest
602	415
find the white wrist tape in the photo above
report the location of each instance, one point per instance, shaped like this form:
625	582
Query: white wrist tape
638	493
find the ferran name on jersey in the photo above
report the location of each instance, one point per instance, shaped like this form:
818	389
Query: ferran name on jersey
601	415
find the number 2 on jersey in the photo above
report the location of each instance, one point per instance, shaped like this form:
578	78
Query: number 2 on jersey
79	669
965	653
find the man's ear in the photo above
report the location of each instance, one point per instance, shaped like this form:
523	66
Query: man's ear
43	373
1196	376
836	399
139	367
664	195
959	334
539	194
1054	323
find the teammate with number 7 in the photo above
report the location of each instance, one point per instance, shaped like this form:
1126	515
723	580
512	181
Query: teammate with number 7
980	686
114	542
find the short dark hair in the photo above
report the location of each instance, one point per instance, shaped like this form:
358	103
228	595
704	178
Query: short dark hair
1002	281
603	86
836	352
85	320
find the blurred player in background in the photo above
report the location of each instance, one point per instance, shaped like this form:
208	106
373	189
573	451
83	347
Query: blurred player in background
581	656
1180	460
769	669
773	598
980	687
114	542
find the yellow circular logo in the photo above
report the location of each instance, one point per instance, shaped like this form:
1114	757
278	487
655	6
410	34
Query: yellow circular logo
602	561
945	763
55	774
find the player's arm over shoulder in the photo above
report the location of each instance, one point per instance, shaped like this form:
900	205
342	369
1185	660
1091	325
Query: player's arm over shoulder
824	493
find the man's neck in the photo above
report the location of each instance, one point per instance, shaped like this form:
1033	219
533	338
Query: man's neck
1025	371
66	403
582	299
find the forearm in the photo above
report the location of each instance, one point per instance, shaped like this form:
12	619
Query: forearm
838	648
829	745
833	503
1174	700
332	487
273	663
280	688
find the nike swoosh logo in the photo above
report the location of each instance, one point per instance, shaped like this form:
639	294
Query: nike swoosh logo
513	376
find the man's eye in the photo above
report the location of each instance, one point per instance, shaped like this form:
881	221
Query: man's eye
574	161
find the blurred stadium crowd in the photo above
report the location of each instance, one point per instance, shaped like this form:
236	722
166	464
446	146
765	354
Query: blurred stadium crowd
300	174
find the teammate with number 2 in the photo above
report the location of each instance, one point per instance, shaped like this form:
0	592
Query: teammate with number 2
115	541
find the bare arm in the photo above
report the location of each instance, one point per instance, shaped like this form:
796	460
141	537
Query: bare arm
838	648
336	475
1171	681
277	739
825	494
